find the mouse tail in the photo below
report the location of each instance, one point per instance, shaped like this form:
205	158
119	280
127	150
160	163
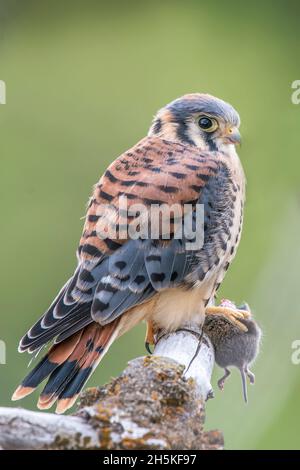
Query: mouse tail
244	383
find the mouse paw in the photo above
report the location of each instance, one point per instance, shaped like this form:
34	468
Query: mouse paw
221	381
250	376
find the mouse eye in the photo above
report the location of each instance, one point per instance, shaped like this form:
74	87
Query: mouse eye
208	124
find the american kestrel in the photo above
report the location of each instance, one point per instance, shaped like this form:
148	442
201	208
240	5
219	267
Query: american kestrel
188	159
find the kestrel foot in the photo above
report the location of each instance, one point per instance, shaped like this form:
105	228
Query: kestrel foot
221	381
149	339
231	314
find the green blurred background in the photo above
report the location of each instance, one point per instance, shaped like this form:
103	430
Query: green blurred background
83	82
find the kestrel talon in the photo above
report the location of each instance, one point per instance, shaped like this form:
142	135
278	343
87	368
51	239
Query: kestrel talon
188	158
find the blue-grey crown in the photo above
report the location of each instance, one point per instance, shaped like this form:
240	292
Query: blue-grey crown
183	107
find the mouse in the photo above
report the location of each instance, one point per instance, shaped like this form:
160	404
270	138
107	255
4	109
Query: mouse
234	347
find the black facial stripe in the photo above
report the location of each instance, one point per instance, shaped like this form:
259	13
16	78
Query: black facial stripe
157	126
182	133
210	141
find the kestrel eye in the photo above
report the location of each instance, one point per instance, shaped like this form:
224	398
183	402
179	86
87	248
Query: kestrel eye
208	124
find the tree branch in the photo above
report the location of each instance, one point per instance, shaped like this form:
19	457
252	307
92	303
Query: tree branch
146	407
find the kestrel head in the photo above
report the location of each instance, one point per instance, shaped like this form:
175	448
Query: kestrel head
198	119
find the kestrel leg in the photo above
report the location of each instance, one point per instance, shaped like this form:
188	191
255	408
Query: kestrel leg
149	339
233	315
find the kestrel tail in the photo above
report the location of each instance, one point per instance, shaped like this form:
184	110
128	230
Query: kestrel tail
188	158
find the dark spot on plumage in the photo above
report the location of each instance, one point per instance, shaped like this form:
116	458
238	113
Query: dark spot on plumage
155	169
120	264
99	349
157	277
93	218
217	261
171	162
170	154
142	184
133	173
99	306
151	201
217	286
148	166
86	276
203	177
91	250
232	250
191	167
201	274
106	287
139	150
179	176
105	196
147	160
111	244
168	189
205	301
128	195
196	188
125	164
108	174
139	279
226	266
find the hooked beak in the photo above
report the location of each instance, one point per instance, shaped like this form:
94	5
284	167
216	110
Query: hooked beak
233	136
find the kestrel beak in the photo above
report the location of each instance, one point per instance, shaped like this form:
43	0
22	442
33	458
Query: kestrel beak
232	136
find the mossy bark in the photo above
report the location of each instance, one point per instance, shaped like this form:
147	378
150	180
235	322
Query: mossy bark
150	406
